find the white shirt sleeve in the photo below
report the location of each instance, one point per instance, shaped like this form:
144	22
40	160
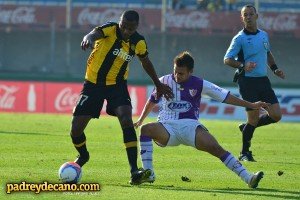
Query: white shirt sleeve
215	92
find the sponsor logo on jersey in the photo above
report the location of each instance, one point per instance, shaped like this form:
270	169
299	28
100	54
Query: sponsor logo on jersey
122	54
180	106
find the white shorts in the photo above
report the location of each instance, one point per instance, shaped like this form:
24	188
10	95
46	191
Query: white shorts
181	131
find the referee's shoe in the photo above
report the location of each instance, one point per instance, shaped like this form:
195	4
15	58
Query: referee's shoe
246	156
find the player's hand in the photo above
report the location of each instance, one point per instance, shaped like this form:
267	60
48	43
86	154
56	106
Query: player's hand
86	43
249	66
279	73
138	123
164	90
260	104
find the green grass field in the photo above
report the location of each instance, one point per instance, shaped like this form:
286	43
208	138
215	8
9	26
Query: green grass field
32	148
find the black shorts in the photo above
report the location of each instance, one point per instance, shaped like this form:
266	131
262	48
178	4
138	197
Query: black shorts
92	98
257	89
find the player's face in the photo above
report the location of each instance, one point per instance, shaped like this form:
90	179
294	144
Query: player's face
249	17
127	28
181	73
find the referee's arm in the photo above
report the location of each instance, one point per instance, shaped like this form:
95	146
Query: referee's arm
271	62
232	62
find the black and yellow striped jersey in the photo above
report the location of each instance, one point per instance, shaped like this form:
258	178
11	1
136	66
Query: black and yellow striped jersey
108	62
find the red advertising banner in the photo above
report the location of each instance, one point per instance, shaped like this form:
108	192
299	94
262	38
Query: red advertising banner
183	21
47	97
21	97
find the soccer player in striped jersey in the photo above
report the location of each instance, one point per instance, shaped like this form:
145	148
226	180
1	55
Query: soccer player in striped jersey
178	119
113	46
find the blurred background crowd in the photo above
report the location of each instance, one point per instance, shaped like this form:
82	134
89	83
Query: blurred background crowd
40	39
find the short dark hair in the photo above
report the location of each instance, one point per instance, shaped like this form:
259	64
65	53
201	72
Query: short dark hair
184	59
131	15
249	6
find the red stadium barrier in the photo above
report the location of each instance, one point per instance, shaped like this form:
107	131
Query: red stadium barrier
47	97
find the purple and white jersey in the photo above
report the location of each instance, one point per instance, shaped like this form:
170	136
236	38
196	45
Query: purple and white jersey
187	98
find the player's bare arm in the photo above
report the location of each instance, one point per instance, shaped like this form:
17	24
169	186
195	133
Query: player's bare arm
147	109
89	39
271	62
233	100
161	89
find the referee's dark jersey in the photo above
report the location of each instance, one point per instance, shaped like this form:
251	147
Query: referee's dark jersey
108	62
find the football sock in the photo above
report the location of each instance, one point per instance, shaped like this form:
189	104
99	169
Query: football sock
146	152
130	141
80	144
247	136
265	120
234	165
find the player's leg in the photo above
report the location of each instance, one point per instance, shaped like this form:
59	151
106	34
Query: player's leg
273	114
248	131
206	142
88	106
124	114
158	133
119	104
249	88
150	131
79	139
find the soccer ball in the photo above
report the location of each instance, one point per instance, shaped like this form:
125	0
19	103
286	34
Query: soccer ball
70	172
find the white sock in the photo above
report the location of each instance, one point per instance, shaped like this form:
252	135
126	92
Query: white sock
147	154
234	165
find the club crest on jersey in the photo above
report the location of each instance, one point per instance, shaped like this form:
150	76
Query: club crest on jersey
179	106
193	92
122	54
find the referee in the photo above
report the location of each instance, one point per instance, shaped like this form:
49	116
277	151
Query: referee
249	52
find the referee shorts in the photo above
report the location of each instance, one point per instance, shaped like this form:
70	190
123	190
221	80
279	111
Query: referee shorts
254	89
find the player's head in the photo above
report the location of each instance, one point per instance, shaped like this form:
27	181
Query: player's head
249	16
128	24
183	66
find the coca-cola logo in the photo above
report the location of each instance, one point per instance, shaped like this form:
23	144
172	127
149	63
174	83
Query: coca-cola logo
20	15
7	98
86	16
281	22
66	99
192	20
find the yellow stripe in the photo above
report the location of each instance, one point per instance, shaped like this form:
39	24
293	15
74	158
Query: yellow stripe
79	145
131	144
117	64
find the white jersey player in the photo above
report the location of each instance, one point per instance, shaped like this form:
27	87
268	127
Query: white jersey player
178	119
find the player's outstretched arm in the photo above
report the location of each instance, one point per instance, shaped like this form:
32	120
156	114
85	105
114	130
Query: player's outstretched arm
233	100
161	89
147	109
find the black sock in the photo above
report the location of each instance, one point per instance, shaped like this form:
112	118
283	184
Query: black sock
130	141
247	136
265	120
80	144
